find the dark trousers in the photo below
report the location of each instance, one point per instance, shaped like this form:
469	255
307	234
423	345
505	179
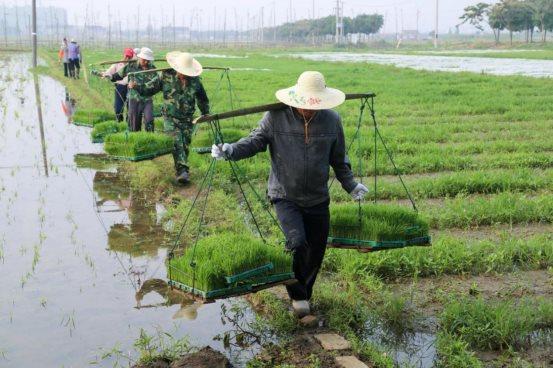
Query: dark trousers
181	131
138	109
74	68
306	230
120	100
66	69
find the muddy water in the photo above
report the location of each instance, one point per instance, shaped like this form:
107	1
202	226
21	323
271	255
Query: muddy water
81	258
495	66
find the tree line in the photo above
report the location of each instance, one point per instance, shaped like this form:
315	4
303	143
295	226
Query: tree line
513	16
363	23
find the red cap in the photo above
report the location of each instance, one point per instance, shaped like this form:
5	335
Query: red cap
128	53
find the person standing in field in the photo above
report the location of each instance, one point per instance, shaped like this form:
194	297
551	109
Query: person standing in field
63	56
182	91
304	139
120	98
139	106
75	59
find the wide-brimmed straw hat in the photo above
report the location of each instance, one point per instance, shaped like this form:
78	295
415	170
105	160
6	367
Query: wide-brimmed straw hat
311	93
146	54
184	63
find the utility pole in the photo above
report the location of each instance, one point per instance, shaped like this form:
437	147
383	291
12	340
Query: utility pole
418	16
225	28
174	30
262	35
109	27
33	33
137	23
6	27
436	27
337	21
274	22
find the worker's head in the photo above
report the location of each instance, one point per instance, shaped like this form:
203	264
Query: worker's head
145	56
184	64
128	54
311	94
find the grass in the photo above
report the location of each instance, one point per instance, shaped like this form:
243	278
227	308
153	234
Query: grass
226	254
378	222
138	145
206	139
101	130
92	117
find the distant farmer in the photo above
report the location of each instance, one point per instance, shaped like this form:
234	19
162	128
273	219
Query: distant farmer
139	106
75	59
305	139
182	90
63	56
120	98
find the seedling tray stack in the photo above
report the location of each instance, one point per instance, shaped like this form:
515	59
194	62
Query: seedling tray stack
226	265
103	129
137	146
373	227
89	118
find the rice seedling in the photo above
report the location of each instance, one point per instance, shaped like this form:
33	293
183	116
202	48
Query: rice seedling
218	257
485	325
206	138
101	130
91	117
375	222
137	146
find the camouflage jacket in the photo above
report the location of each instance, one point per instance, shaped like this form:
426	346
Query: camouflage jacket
179	99
141	79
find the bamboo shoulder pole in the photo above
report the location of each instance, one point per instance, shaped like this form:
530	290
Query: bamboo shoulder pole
123	61
262	108
169	68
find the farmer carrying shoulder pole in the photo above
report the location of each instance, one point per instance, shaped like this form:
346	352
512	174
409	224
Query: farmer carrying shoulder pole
139	105
75	59
305	140
120	97
182	90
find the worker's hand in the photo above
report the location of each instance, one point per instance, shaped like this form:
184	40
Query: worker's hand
359	192
221	151
131	84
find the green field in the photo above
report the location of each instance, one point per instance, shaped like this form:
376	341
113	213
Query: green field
476	152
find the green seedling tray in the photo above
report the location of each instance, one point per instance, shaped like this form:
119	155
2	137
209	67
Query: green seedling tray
202	150
375	245
148	156
80	123
253	286
249	274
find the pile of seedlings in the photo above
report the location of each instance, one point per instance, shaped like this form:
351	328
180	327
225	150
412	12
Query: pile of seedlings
92	117
136	146
376	226
229	264
101	130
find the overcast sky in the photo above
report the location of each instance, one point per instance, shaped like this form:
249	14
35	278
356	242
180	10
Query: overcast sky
202	12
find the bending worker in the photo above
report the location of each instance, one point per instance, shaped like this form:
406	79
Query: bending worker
305	139
138	105
120	98
182	90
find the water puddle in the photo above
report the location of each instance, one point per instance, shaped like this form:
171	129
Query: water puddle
495	66
81	256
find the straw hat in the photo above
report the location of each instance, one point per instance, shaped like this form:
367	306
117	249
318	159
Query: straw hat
146	54
311	93
184	63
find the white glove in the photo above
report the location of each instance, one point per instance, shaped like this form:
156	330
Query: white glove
359	192
219	152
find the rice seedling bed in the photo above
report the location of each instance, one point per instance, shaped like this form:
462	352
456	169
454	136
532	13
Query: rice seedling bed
101	130
137	146
373	227
89	118
229	264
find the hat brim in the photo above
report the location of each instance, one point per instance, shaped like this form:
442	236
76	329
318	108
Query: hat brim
172	60
145	57
327	99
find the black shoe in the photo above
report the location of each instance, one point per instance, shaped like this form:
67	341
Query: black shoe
183	178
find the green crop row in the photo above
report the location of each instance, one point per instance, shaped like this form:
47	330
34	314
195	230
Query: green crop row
101	130
137	144
448	255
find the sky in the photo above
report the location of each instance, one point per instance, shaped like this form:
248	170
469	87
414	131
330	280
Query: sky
242	14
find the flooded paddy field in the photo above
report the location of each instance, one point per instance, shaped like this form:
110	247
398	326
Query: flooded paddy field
82	252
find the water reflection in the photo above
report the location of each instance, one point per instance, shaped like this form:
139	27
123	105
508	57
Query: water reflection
40	121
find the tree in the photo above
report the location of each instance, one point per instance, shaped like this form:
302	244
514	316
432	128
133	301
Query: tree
367	23
543	15
516	15
474	14
496	21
